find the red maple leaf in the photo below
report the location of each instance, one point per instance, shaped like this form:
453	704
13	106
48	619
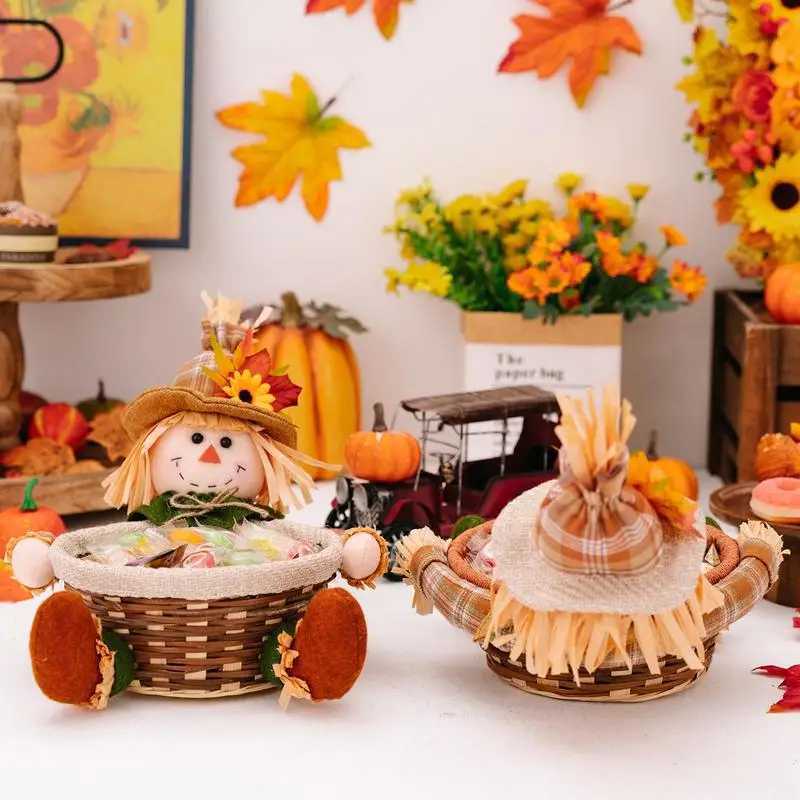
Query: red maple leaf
386	12
580	30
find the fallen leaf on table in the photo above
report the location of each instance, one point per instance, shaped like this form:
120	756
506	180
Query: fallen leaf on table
300	142
385	12
790	686
580	30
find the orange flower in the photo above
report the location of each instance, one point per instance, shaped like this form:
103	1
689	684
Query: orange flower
731	181
586	201
576	266
672	235
557	277
553	236
758	240
687	280
528	284
613	261
752	95
570	298
642	266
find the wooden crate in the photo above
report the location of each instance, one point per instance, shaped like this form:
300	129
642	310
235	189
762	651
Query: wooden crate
755	382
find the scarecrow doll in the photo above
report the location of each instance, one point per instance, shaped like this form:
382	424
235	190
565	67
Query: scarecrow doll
214	451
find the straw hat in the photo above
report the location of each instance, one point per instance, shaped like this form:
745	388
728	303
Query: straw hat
230	377
590	542
599	558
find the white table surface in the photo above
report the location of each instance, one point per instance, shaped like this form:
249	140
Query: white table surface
427	719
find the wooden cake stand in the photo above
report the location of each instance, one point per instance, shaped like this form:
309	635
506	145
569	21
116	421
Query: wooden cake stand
54	283
732	504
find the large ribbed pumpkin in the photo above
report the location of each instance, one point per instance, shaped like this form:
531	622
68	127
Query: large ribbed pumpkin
311	341
382	455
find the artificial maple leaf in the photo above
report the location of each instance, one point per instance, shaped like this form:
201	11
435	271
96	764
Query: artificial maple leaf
581	30
685	9
386	12
300	141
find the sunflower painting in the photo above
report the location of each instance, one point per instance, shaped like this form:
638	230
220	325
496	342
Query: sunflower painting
744	88
105	141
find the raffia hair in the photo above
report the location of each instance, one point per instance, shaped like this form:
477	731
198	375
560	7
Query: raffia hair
132	485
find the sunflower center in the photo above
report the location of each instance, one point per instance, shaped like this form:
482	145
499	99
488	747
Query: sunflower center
246	396
790	4
785	196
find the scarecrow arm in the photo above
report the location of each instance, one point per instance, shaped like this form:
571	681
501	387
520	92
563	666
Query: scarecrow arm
29	559
366	557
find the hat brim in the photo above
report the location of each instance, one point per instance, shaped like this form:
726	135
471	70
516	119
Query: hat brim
155	405
536	583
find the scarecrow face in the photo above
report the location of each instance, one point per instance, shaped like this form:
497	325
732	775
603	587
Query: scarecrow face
205	460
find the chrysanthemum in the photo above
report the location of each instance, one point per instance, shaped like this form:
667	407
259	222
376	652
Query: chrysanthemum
777	10
773	204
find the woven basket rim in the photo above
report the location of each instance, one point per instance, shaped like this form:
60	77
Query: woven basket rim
195	584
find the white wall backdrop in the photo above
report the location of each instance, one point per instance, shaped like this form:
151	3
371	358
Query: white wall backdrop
432	104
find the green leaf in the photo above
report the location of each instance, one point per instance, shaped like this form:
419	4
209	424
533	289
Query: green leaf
532	310
159	512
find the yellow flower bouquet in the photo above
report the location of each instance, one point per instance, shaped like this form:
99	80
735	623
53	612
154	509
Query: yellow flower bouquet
745	92
506	252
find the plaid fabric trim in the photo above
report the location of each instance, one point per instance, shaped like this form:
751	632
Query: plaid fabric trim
598	532
192	376
228	334
460	602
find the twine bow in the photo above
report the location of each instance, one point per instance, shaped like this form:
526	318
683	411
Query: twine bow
191	505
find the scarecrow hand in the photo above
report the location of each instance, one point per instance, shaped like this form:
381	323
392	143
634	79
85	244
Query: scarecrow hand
366	557
29	559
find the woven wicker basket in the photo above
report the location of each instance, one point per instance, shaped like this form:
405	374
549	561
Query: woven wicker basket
446	579
196	633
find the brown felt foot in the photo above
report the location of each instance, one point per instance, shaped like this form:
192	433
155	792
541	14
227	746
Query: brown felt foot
70	662
331	643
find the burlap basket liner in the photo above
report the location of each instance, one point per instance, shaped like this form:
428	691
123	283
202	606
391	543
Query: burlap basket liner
195	584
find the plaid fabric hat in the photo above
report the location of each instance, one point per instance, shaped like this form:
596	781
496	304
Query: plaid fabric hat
230	377
599	540
607	529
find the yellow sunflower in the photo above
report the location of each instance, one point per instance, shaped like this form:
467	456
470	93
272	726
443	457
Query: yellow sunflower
250	389
773	204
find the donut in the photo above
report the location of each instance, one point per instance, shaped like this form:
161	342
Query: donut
777	500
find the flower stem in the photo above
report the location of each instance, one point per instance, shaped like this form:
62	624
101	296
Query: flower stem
618	6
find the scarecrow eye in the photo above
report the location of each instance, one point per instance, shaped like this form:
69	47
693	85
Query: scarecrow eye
197	438
225	442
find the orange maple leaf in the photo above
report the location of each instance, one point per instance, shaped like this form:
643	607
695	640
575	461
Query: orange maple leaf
386	12
581	30
300	143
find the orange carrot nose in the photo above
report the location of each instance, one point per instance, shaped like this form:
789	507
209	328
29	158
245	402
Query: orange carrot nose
210	455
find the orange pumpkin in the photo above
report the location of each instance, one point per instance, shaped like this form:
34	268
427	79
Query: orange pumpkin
28	516
680	475
382	455
782	294
311	341
60	422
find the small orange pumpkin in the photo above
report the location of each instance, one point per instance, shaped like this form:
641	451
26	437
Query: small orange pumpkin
782	294
382	455
60	422
680	475
28	516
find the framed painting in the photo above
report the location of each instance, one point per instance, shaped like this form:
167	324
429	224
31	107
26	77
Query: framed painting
106	140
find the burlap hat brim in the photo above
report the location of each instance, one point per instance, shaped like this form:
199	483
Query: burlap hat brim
536	583
154	405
